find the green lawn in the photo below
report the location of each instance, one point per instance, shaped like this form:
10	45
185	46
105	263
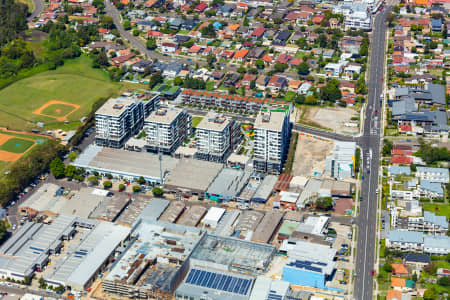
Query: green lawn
16	145
438	209
210	85
289	96
75	82
196	121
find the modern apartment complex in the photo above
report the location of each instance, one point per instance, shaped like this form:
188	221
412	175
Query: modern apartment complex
166	129
272	131
217	137
117	120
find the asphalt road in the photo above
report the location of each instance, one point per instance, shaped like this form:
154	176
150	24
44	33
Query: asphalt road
370	143
38	8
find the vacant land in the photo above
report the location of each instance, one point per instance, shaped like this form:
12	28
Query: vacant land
75	83
337	119
310	156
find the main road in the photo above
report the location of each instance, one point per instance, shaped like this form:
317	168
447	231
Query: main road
370	144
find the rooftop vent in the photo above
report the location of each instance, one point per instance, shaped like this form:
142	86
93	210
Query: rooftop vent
161	112
118	106
266	117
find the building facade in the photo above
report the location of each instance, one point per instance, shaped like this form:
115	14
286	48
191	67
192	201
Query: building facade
117	120
217	137
272	131
166	129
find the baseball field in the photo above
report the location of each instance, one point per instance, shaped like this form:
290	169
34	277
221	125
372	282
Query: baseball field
55	97
14	144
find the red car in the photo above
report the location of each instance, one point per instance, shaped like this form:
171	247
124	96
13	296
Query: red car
373	272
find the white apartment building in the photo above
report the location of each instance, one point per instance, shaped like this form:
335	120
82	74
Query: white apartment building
429	224
357	14
433	174
166	129
217	137
405	240
272	131
117	120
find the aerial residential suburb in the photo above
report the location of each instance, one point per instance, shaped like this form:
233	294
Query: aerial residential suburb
224	150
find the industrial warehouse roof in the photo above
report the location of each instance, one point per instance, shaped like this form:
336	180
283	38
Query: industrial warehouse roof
154	239
182	177
311	257
127	163
265	188
30	245
225	226
192	215
154	209
173	211
267	226
268	288
84	259
229	183
215	285
229	252
42	199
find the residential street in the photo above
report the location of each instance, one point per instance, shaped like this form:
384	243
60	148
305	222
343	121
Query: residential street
38	8
370	143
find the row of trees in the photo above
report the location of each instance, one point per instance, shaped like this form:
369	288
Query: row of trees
13	19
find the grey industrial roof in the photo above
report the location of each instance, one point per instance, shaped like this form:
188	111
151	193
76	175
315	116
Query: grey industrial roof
267	227
154	209
225	225
265	188
44	198
268	288
406	105
31	244
227	251
275	120
249	220
173	211
82	204
110	208
193	215
229	183
193	174
163	116
320	256
128	163
405	236
85	258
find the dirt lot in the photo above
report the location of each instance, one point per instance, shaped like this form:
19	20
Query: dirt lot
331	118
310	156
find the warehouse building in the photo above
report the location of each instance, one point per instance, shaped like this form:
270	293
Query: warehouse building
267	227
88	255
232	255
203	283
110	208
124	164
192	216
181	181
213	217
287	228
130	215
42	200
248	222
29	249
309	264
154	210
226	225
154	262
228	185
173	212
340	164
265	189
268	288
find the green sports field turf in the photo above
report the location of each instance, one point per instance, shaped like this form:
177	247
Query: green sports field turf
16	145
76	82
58	110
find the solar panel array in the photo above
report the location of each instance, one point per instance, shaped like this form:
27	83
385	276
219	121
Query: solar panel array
220	282
307	265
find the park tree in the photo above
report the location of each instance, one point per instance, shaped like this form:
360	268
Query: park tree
126	25
259	64
70	171
107	184
211	59
279	67
135	32
208	31
136	189
325	203
178	81
429	294
157	191
140	180
122	187
331	92
156	78
93	180
72	156
57	168
107	22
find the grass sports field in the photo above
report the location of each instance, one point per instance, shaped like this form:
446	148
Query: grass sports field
66	93
13	145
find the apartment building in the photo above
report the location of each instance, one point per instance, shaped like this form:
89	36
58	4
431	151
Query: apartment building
272	131
217	137
357	14
429	224
117	120
405	240
166	129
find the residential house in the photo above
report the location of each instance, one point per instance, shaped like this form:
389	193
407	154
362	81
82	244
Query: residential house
399	270
262	81
282	37
255	53
172	69
350	70
141	65
416	260
258	32
304	88
333	69
436	25
168	47
277	83
402	284
240	55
